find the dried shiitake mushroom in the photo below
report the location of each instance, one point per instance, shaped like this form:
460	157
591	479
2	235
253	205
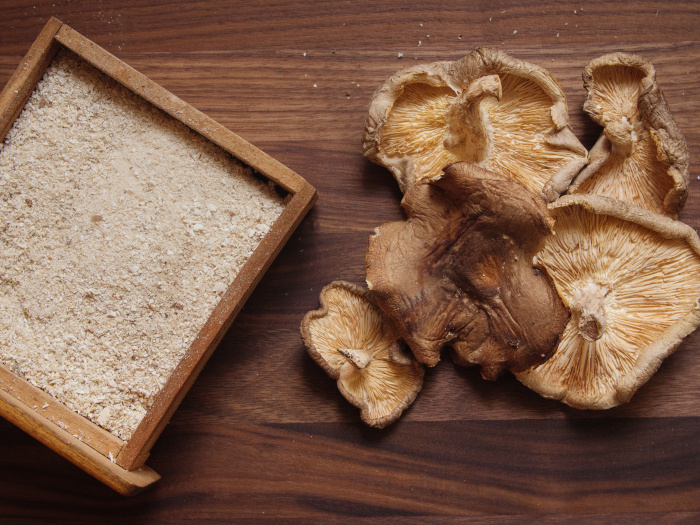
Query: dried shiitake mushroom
356	344
460	271
641	157
487	108
631	278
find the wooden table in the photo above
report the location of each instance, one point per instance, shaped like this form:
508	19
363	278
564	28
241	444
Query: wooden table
264	434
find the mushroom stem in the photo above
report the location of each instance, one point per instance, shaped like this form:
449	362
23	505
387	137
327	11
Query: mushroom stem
598	156
622	135
467	127
589	306
358	357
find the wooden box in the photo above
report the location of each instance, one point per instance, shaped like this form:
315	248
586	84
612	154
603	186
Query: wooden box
118	463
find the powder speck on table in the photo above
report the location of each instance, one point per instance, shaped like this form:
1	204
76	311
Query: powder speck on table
121	230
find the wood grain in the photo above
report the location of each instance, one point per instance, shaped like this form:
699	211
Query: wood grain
264	434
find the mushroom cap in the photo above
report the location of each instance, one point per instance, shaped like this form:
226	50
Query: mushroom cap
356	344
459	271
641	157
631	278
505	115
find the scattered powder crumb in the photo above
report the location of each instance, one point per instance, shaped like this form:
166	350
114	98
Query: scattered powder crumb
220	287
121	228
103	417
400	55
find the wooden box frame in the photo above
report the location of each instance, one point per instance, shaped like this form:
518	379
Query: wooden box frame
117	463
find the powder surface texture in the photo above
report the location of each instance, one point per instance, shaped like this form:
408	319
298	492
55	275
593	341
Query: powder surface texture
120	230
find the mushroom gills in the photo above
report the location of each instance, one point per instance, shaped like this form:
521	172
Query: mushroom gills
487	108
632	280
358	346
641	156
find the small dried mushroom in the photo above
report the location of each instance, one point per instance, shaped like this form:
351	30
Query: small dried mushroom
631	278
641	157
356	344
487	108
460	271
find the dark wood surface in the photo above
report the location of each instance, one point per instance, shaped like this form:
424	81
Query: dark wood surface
264	434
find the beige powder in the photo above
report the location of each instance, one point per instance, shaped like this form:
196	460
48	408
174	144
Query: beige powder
120	230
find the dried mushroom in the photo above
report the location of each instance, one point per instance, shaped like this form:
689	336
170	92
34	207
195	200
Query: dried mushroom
356	344
460	271
641	157
631	278
487	108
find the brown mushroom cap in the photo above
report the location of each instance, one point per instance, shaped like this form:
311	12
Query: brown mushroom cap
641	157
487	108
631	278
460	271
355	343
